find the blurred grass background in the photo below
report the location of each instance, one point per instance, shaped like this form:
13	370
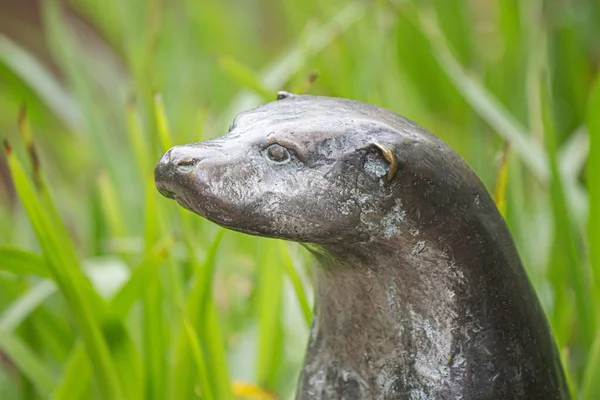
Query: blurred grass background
108	290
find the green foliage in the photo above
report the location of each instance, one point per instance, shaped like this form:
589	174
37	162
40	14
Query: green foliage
108	290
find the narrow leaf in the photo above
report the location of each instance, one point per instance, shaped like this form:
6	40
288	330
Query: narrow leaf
27	362
305	85
110	204
199	360
144	274
502	182
294	277
65	269
21	262
484	103
593	186
246	77
40	80
276	74
590	386
195	312
212	337
76	376
21	308
269	299
136	137
162	123
568	261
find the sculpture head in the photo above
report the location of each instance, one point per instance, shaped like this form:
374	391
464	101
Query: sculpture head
315	170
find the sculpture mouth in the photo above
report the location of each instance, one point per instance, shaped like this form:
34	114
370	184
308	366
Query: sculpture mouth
165	192
172	195
183	203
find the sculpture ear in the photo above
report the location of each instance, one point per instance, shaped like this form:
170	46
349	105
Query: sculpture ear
376	160
381	161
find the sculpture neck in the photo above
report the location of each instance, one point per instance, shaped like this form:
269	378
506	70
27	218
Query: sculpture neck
413	293
445	311
386	322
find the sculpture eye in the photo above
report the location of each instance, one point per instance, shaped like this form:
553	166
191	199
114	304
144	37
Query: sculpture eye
278	153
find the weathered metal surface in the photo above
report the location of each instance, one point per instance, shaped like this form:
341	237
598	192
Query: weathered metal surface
421	293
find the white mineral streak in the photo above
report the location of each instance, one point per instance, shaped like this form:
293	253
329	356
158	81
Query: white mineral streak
346	206
376	166
316	383
418	248
391	223
385	380
434	332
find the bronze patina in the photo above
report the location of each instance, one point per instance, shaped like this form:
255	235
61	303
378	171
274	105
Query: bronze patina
420	292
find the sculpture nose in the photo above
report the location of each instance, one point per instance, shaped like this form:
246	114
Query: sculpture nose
176	161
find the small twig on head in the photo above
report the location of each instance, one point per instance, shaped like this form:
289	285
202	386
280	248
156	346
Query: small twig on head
7	147
35	159
26	134
305	86
21	120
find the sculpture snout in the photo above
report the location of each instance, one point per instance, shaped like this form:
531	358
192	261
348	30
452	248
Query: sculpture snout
173	165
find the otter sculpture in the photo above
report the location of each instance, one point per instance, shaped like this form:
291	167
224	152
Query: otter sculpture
420	292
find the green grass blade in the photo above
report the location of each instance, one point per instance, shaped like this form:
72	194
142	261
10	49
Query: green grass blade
40	80
154	348
54	333
109	203
195	310
484	103
98	86
590	384
278	72
76	377
126	359
199	124
304	86
137	138
144	274
593	187
199	361
246	77
65	270
502	182
269	300
154	351
22	307
572	159
151	215
121	353
180	381
564	357
21	262
27	362
212	337
204	275
208	325
566	249
162	123
294	277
